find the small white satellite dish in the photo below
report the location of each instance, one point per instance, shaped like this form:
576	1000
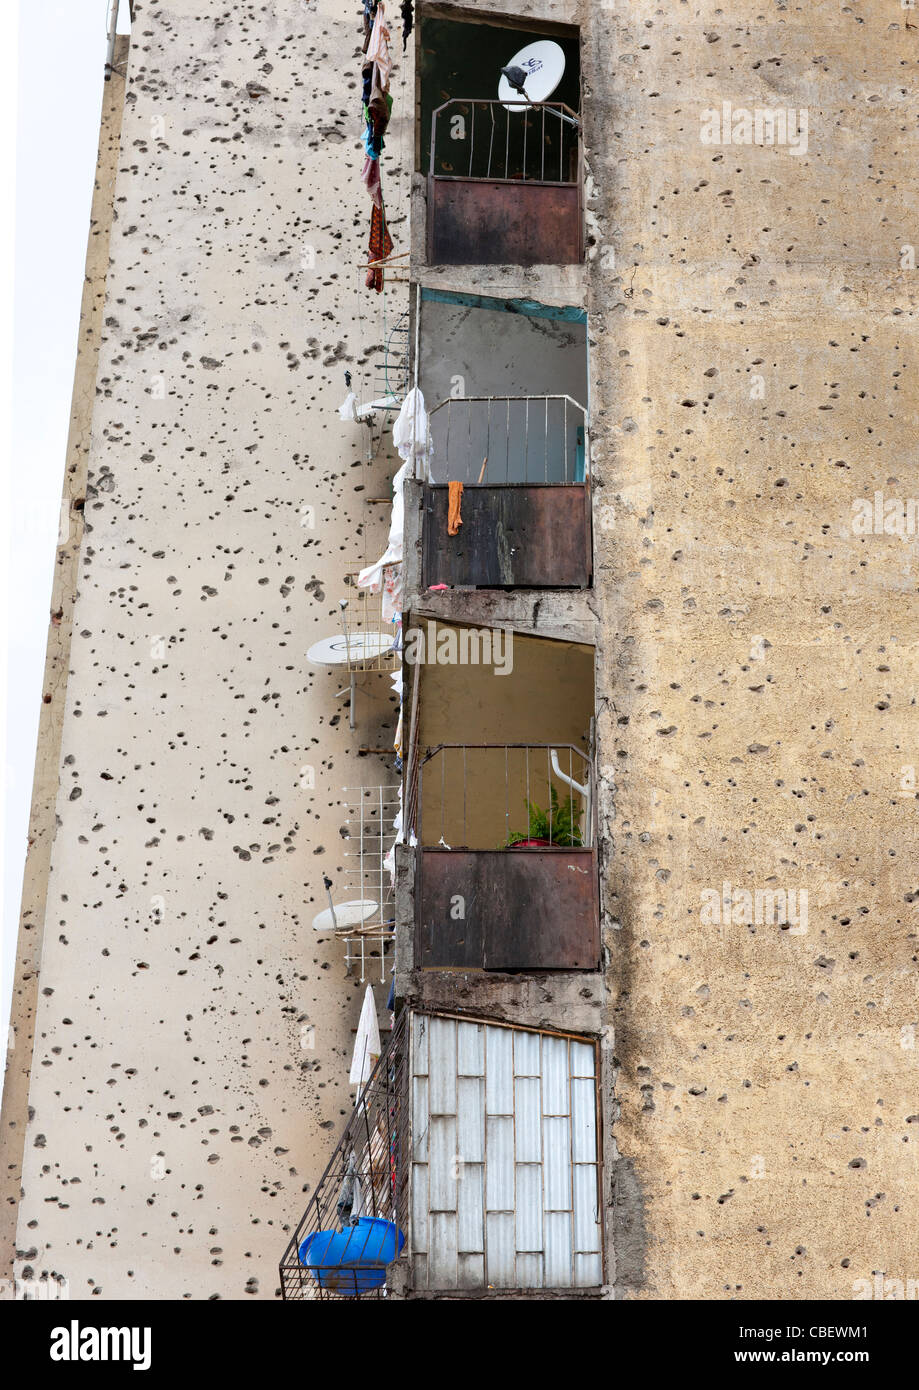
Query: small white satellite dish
544	64
341	650
344	916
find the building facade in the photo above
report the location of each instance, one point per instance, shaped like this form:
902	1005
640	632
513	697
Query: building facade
646	916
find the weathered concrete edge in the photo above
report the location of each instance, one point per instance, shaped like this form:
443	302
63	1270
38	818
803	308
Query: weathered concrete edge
14	1112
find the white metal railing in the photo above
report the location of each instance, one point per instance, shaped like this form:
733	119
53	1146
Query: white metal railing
525	141
494	796
510	439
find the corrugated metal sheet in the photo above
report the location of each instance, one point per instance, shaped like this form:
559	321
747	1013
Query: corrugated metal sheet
505	1187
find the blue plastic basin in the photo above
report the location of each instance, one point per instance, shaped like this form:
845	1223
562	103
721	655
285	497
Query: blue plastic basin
353	1261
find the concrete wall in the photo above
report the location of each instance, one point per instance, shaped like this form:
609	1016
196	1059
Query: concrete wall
193	1035
757	660
42	818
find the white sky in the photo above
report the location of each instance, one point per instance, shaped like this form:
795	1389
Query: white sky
49	129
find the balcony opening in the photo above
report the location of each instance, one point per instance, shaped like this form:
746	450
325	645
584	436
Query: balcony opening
503	166
508	389
502	804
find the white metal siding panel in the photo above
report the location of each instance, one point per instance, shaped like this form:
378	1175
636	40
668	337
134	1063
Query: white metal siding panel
499	1071
420	1119
587	1271
529	1271
499	1234
556	1132
420	1027
442	1254
442	1166
586	1214
470	1210
527	1116
420	1205
526	1054
583	1120
583	1058
529	1208
555	1076
470	1119
470	1271
499	1170
559	1260
442	1066
470	1049
504	1132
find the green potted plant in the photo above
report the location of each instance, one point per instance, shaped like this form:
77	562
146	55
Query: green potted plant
558	826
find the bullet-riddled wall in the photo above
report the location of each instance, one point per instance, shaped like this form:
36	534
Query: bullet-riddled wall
193	1033
753	370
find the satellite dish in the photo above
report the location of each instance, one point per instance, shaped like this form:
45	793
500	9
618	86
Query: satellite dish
346	915
544	65
342	651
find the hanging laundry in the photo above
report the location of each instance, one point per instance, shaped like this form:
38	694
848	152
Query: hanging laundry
377	50
411	435
366	1044
370	176
408	20
391	604
348	409
372	577
380	246
377	103
454	502
370	10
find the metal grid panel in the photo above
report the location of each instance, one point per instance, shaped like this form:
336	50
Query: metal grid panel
369	836
516	1202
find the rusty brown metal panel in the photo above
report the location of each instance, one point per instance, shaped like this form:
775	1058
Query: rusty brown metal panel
526	909
503	222
512	537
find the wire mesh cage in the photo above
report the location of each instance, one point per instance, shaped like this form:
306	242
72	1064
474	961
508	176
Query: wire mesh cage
354	1225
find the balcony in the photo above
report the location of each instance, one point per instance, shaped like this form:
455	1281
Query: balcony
506	868
526	501
350	1233
504	184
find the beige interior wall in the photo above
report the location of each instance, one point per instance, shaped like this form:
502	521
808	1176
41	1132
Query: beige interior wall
546	697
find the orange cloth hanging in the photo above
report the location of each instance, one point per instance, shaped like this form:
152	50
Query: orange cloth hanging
454	520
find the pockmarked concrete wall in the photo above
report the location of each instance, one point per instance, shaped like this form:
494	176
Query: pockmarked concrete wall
193	1034
753	373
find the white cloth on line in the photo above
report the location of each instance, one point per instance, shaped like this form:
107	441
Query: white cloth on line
367	1042
372	577
412	434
